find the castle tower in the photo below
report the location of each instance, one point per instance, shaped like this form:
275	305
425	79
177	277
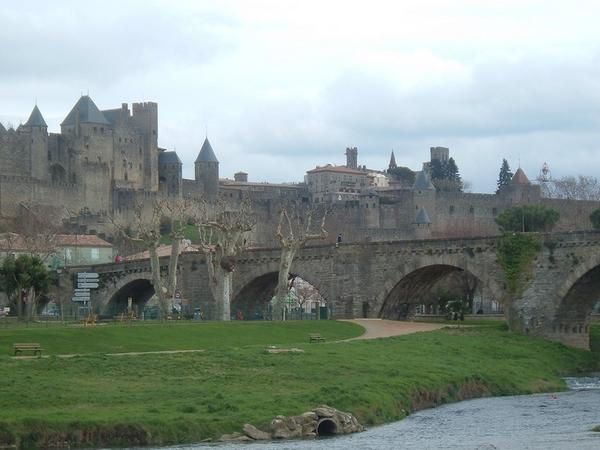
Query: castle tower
84	114
38	144
207	170
440	153
424	195
88	134
422	224
170	173
145	118
521	190
392	164
352	157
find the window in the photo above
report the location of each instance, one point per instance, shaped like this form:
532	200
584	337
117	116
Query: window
95	254
494	211
124	163
451	209
471	210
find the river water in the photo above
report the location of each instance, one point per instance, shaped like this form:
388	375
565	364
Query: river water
542	421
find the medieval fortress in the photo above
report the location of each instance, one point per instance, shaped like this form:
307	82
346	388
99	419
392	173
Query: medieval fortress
103	162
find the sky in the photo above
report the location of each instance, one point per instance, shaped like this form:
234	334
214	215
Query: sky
283	86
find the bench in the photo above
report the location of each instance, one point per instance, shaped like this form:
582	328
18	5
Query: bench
315	337
28	347
126	317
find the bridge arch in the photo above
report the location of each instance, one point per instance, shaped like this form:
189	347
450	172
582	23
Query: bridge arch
252	299
574	303
113	297
404	290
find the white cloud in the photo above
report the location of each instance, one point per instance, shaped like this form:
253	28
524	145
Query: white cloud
283	86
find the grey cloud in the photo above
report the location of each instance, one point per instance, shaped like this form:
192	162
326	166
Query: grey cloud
102	46
500	99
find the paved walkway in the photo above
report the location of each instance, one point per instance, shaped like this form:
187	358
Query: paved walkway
379	328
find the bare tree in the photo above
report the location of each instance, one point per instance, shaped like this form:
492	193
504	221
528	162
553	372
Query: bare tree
223	235
145	228
573	188
295	229
178	213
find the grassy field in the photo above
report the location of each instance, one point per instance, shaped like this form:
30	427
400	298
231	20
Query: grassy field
142	337
169	398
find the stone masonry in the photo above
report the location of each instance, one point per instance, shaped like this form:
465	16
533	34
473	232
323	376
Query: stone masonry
388	279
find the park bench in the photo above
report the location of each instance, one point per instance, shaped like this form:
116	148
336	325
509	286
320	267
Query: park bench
126	317
315	337
28	347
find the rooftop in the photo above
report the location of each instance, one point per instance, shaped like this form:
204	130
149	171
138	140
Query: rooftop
337	169
87	111
206	153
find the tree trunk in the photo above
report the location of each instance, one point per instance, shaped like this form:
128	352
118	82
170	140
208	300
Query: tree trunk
32	305
173	261
157	282
223	291
220	282
281	292
19	303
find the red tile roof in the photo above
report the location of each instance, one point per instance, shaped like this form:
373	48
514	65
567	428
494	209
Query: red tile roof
13	241
163	250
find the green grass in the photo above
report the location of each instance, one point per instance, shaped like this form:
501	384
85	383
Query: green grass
141	337
190	232
161	399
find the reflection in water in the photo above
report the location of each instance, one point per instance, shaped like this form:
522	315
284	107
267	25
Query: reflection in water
541	421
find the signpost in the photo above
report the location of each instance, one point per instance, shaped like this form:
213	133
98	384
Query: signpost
88	275
85	282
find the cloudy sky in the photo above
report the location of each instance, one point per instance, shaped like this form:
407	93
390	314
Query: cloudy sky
282	86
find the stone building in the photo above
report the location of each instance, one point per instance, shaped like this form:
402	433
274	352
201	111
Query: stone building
104	162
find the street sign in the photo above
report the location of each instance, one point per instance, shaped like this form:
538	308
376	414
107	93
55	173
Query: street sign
82	293
87	285
88	275
80	299
82	290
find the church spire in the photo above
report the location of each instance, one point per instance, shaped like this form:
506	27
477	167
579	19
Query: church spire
392	162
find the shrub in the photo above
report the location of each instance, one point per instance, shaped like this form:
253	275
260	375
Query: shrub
528	218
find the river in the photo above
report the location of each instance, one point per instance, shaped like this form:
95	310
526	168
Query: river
542	421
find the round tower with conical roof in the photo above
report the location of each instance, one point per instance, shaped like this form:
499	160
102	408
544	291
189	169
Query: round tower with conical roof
38	143
207	170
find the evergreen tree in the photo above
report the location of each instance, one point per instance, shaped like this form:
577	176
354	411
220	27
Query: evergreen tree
452	172
504	176
445	175
437	170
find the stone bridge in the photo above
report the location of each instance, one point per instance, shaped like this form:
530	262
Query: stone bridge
557	288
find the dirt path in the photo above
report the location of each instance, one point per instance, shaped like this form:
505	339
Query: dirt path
378	328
